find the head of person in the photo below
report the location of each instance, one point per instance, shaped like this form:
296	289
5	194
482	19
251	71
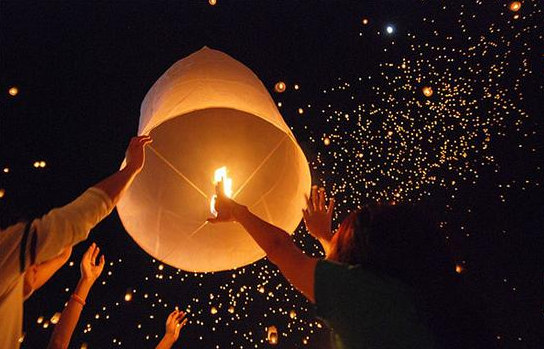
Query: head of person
403	242
395	240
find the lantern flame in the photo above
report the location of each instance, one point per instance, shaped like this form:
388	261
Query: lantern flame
221	175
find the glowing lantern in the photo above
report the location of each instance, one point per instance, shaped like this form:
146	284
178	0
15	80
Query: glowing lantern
128	296
13	91
272	335
208	111
365	21
213	310
427	91
55	318
514	6
293	314
2	193
212	2
280	87
327	141
459	268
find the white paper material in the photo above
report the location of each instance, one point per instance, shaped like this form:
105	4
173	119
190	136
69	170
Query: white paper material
205	112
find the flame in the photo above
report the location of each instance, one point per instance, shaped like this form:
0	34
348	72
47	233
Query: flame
221	175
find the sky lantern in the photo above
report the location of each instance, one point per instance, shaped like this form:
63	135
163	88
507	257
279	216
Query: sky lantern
13	91
211	118
280	87
365	21
272	335
427	91
514	6
212	2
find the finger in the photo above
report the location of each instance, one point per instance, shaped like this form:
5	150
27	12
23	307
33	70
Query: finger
330	209
169	318
95	254
305	216
89	252
179	317
102	262
321	200
314	197
309	205
183	323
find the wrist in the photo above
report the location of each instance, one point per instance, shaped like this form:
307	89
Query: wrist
169	338
239	211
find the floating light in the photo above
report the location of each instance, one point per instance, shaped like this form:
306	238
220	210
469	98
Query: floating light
55	318
514	6
280	87
13	91
272	335
427	91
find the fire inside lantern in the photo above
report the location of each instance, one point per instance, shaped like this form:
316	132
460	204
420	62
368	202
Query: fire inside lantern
221	175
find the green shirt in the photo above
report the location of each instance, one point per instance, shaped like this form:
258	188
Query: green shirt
367	310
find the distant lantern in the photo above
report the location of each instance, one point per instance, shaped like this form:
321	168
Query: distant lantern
6	170
213	310
459	268
55	318
389	29
365	21
272	335
42	164
292	314
36	164
427	91
300	111
280	87
231	309
212	2
2	193
128	296
296	87
13	91
326	141
514	6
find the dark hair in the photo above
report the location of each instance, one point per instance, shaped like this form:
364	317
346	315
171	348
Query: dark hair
403	242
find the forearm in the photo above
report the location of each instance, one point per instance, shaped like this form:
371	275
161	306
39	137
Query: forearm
270	238
47	269
116	184
166	342
60	339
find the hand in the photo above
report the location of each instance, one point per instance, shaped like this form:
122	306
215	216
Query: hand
90	271
224	206
174	323
317	217
135	153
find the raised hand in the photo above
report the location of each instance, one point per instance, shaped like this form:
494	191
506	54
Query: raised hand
174	323
90	270
224	206
135	153
318	216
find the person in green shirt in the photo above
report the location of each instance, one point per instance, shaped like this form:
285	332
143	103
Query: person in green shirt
386	282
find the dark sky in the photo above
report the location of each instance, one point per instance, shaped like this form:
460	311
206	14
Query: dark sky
83	68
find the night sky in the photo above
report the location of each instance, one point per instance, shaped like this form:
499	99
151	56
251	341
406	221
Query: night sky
430	102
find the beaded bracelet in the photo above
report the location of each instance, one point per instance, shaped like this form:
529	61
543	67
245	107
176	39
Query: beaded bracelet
77	299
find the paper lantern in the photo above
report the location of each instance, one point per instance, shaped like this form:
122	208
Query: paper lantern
514	6
205	112
427	91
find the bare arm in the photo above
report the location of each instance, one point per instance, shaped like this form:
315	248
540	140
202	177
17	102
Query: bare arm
115	185
90	271
318	217
47	269
296	266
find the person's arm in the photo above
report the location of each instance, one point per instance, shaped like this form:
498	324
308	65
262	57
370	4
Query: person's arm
70	224
296	266
174	323
318	217
90	271
47	269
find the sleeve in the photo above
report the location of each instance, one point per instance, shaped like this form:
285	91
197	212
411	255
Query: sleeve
68	225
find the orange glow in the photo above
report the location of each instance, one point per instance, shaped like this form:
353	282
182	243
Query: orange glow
212	2
13	91
459	268
365	21
427	91
326	141
514	6
280	87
